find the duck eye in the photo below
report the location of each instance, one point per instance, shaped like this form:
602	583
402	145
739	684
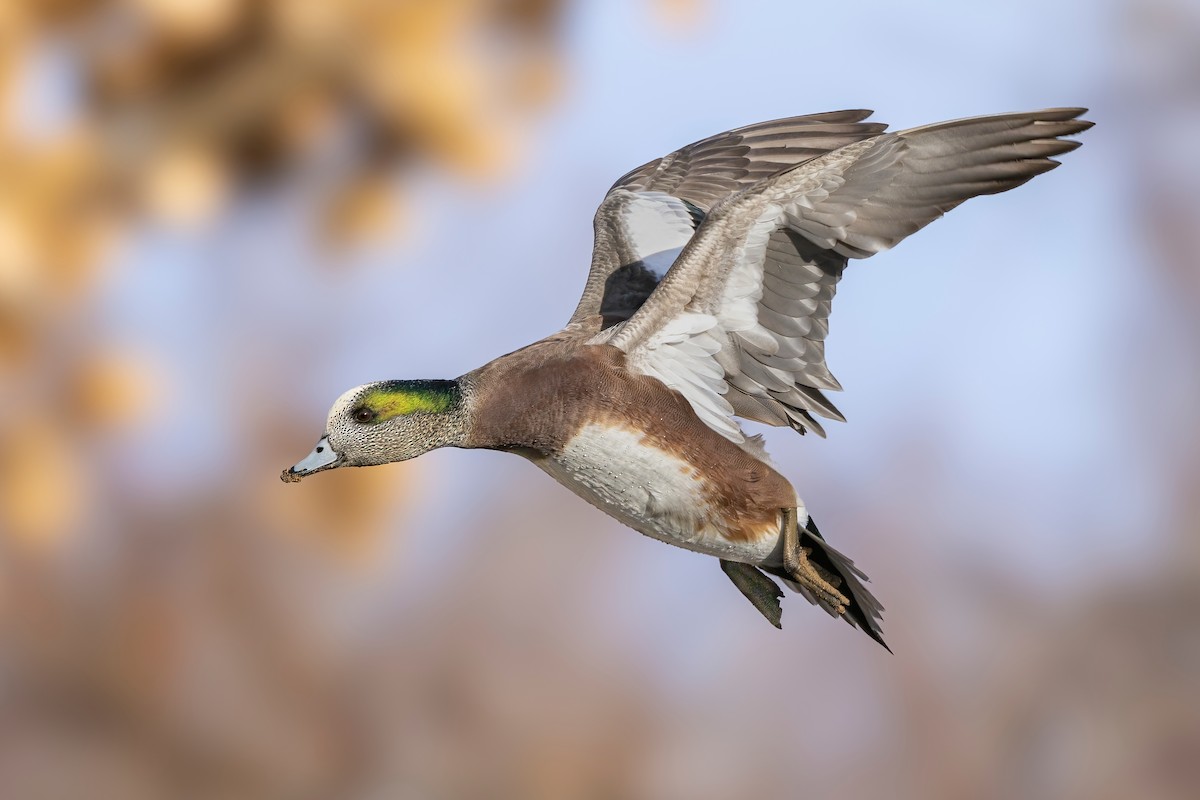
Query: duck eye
363	414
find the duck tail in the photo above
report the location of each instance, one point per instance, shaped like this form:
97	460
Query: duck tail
863	611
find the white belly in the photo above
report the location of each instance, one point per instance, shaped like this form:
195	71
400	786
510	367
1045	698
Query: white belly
650	490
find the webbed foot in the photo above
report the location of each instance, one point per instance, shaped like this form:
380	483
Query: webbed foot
822	584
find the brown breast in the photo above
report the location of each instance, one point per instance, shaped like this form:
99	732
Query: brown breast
535	400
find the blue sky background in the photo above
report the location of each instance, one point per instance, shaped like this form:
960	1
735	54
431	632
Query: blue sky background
1015	476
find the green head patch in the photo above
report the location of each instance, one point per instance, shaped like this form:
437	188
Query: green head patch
390	399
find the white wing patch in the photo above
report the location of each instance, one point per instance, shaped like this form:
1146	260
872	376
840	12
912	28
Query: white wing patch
737	340
657	226
680	355
740	320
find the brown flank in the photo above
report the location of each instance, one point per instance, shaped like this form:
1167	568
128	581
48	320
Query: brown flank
533	401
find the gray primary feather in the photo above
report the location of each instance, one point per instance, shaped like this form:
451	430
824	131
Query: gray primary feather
705	172
783	242
697	177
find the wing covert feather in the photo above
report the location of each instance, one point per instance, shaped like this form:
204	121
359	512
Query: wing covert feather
766	260
693	179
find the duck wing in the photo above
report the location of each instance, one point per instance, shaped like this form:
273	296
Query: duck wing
651	213
738	323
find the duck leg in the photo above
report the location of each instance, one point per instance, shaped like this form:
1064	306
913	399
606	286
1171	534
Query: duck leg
804	572
760	590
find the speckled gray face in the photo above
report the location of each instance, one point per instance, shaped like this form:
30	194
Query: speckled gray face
382	422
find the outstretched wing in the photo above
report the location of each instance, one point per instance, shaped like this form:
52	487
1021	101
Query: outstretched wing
738	324
705	172
650	214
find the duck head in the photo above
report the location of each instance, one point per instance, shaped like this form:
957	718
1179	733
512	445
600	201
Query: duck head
387	421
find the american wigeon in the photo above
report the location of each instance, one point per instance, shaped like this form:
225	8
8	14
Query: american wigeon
708	299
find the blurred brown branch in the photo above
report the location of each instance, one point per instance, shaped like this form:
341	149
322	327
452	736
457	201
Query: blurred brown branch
164	106
112	111
177	99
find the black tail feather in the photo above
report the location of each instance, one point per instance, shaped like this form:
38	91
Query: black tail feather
864	611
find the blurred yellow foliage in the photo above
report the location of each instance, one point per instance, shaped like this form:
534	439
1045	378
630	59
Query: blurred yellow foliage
112	389
422	72
42	484
345	511
361	210
111	108
183	98
185	184
189	647
188	22
52	227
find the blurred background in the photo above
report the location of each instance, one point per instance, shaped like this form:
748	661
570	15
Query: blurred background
215	217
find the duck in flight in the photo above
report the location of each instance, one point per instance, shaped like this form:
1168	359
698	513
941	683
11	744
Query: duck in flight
708	300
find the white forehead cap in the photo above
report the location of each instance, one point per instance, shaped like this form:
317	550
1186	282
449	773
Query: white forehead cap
343	403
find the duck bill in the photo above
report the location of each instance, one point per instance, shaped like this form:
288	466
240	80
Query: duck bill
321	458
